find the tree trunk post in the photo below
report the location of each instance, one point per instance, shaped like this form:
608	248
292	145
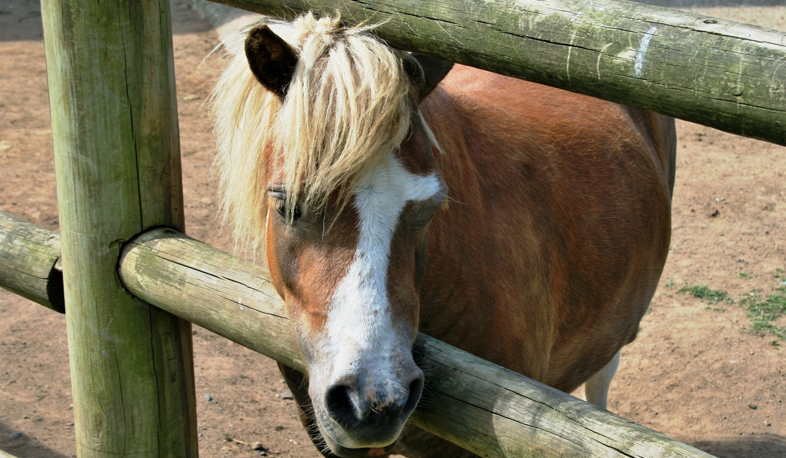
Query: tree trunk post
110	69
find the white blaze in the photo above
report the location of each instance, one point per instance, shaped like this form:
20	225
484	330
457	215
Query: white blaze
360	329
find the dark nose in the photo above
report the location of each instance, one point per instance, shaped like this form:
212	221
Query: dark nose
350	408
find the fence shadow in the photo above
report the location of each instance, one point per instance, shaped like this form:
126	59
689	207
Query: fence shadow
20	20
762	446
20	445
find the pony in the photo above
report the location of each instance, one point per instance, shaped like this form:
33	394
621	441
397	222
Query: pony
395	193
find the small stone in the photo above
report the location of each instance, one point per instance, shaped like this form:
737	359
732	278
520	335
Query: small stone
753	406
16	435
26	417
208	398
767	423
286	394
257	446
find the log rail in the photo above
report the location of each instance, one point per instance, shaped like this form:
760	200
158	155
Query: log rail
719	73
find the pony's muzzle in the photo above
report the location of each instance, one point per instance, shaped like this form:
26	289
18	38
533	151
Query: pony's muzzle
372	413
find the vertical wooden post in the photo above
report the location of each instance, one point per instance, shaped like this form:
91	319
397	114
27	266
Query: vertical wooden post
114	121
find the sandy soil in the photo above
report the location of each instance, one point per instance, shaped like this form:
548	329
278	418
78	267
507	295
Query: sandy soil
694	373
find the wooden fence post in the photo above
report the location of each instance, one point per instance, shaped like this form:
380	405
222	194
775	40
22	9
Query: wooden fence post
114	121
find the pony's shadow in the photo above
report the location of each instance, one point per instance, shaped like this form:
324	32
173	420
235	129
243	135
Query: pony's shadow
763	446
20	445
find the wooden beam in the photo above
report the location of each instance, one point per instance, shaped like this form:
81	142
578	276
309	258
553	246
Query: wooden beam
110	71
725	75
28	262
484	408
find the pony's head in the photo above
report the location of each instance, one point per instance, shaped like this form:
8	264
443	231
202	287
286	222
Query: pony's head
322	149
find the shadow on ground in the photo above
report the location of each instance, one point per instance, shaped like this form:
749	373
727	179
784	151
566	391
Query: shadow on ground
20	445
763	445
20	20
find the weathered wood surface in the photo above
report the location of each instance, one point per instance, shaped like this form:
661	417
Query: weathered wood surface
110	71
28	259
719	73
210	288
471	402
6	455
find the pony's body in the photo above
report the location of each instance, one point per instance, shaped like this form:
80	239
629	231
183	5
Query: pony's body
557	229
524	224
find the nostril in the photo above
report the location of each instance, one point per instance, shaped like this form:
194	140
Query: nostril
415	391
340	406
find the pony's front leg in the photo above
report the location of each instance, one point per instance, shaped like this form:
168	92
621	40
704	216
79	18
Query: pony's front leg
596	389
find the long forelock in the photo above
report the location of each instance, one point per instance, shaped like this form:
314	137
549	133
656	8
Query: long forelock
348	107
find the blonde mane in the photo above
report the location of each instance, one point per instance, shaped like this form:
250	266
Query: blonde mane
347	108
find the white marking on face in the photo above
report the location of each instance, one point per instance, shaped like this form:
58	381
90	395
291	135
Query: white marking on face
359	324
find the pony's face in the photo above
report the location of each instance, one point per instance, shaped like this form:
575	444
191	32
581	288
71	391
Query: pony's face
349	271
351	285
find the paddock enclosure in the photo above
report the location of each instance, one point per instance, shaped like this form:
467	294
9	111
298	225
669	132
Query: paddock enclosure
159	375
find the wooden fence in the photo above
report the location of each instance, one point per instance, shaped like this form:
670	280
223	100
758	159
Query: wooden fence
110	70
722	74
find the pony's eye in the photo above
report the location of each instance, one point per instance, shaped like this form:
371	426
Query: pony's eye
281	197
282	210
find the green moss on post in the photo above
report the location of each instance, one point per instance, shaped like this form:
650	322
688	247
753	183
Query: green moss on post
111	80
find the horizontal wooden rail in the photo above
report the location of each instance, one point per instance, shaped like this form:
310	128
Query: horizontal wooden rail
710	71
29	265
482	407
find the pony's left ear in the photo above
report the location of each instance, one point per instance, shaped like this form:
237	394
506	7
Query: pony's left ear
271	59
425	72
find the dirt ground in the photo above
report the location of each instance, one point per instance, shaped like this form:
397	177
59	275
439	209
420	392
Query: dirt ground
694	373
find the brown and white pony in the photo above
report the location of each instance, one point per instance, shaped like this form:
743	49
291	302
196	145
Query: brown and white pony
524	224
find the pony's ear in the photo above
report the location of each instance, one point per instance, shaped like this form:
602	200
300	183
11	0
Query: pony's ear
426	72
271	59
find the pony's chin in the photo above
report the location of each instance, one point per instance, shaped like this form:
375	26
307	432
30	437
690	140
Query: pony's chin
344	452
338	440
